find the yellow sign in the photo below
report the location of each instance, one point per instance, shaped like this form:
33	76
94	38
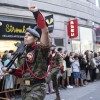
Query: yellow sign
49	21
12	29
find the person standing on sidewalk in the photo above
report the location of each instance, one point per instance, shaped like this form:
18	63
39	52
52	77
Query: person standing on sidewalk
76	70
55	61
33	62
69	68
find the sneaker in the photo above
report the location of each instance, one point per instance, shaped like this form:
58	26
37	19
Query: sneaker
69	86
52	91
47	92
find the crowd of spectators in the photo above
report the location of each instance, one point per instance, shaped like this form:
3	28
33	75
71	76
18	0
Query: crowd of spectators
78	70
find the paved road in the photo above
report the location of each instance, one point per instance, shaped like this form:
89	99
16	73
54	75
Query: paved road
89	92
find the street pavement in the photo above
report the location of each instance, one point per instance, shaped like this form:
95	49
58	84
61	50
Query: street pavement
89	92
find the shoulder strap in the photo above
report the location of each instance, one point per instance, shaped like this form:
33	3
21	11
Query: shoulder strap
34	75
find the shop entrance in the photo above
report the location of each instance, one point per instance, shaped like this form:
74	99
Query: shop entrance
98	48
7	45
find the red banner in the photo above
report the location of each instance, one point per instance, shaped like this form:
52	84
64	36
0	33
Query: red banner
72	28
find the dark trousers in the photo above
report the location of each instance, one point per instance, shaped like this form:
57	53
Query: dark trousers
92	74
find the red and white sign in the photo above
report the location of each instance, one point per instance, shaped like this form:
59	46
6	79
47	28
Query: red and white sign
72	28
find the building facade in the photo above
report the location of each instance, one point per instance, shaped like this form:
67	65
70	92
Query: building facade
85	11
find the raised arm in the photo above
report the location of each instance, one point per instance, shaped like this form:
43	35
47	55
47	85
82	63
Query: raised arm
41	23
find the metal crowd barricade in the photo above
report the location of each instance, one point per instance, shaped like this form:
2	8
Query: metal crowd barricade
16	80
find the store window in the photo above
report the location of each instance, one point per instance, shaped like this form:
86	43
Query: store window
98	3
7	45
59	42
86	39
76	46
98	48
11	33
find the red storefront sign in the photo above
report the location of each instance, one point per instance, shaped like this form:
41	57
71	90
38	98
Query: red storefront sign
72	28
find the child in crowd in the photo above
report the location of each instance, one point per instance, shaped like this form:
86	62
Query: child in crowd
76	70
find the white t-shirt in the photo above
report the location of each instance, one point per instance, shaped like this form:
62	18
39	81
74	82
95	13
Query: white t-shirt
75	66
64	64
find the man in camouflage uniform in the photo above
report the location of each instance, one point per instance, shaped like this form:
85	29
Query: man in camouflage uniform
55	62
33	62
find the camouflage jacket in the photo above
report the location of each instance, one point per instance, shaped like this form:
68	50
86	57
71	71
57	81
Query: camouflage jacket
55	60
38	63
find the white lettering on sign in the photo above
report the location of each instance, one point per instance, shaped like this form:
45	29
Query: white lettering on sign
71	22
72	34
72	28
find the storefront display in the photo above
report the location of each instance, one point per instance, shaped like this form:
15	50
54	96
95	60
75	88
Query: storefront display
11	33
76	46
97	47
7	45
86	39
